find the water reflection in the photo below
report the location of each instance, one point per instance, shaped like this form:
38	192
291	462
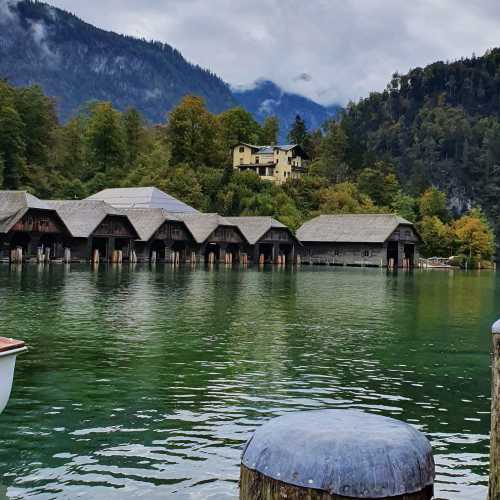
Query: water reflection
147	381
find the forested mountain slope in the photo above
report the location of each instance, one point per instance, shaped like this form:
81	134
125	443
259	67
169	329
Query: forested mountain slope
76	62
437	125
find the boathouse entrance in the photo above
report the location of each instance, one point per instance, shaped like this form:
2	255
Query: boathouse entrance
234	249
181	247
159	247
212	248
409	251
392	253
100	244
265	249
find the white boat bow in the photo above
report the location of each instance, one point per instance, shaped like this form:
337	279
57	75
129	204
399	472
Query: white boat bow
9	350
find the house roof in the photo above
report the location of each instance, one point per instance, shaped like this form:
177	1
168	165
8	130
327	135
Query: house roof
350	228
254	228
201	226
14	204
147	221
142	197
268	149
82	217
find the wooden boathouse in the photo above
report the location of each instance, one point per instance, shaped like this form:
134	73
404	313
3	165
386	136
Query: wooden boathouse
217	239
162	236
95	226
269	241
384	240
29	227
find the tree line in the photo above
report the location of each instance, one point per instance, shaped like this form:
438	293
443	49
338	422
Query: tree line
189	156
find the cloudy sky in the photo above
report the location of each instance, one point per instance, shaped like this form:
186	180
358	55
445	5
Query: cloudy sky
329	50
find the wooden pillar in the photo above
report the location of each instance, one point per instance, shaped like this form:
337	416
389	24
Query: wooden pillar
494	486
336	455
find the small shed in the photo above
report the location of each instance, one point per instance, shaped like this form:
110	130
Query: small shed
29	223
267	238
359	240
95	225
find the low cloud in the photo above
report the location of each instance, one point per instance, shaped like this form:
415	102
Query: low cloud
349	47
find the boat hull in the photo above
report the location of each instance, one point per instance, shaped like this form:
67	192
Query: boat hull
7	366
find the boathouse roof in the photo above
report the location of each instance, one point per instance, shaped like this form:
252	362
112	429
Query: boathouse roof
142	197
201	226
14	204
82	217
147	221
350	228
254	228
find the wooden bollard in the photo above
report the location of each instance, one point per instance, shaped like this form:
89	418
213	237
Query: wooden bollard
47	255
95	256
39	255
494	486
133	257
67	255
337	455
153	257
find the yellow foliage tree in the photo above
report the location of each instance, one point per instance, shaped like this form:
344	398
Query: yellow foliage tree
474	237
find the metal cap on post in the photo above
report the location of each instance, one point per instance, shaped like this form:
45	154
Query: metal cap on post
336	454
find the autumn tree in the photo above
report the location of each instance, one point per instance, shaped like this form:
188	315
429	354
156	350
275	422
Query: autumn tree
433	203
474	236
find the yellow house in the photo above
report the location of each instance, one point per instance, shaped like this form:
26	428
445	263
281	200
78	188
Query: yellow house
270	163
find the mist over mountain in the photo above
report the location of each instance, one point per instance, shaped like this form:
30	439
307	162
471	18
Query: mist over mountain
265	98
75	62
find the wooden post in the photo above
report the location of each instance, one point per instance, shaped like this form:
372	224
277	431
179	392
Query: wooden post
67	255
494	487
39	255
133	257
95	256
153	257
336	455
262	259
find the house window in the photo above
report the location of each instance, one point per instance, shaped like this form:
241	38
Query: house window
366	253
242	149
289	161
338	252
408	233
262	171
241	161
257	160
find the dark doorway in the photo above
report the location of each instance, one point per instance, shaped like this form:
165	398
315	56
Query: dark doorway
410	254
265	249
234	248
392	253
20	240
157	246
286	250
180	246
212	248
123	244
100	244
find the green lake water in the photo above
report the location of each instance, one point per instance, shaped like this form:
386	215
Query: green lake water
147	382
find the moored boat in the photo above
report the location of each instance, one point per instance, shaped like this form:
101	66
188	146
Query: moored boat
9	350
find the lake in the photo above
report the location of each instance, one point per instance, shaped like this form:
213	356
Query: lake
147	382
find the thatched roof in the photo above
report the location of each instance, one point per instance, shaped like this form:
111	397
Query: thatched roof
14	204
201	226
82	217
254	228
147	221
142	197
350	228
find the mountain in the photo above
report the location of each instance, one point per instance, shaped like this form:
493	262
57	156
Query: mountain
265	98
76	62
